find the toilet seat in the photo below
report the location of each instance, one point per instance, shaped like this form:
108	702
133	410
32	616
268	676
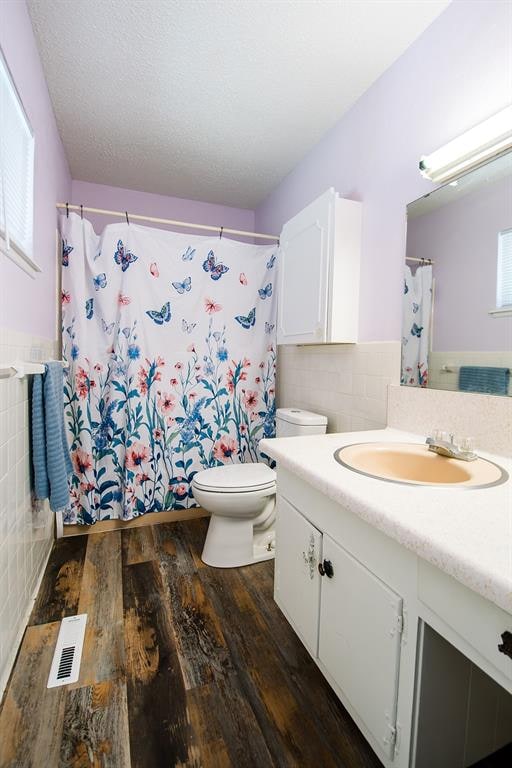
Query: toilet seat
236	478
250	489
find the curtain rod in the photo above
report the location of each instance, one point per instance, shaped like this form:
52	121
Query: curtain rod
155	220
428	262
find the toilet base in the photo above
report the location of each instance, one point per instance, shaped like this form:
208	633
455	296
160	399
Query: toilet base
232	543
264	546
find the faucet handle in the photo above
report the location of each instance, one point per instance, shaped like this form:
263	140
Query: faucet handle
467	444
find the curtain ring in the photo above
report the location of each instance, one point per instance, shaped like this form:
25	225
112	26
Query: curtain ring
220	233
81	211
67	210
127	219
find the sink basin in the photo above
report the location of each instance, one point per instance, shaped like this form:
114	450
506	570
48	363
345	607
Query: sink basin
414	464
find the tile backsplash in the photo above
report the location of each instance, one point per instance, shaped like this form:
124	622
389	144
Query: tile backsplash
487	418
25	540
345	382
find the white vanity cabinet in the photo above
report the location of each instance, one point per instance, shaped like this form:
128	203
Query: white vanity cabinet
318	273
410	651
359	640
297	580
349	620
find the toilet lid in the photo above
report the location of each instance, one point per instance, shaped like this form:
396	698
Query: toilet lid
236	477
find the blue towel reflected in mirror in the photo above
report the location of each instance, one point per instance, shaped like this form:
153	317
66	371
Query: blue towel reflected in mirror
490	381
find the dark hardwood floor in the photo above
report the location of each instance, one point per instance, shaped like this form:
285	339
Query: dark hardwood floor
183	665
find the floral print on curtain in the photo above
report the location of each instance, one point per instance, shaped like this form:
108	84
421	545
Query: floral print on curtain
417	306
171	345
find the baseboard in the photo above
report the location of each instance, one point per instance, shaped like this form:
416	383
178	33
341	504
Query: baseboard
150	518
4	681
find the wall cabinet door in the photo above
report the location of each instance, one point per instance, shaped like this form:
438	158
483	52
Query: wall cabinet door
297	580
359	644
305	246
318	282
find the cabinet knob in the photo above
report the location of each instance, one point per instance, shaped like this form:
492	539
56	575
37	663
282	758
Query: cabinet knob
310	557
506	646
326	569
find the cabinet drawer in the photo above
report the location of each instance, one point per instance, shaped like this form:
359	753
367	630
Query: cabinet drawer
479	622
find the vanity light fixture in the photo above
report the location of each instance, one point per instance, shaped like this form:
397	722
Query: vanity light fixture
489	139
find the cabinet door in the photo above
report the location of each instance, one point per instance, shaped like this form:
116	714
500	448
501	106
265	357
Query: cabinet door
297	580
306	246
360	628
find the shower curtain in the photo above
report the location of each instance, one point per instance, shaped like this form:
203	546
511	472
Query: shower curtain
171	344
417	305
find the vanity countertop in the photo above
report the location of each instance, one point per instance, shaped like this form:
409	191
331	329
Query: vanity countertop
466	533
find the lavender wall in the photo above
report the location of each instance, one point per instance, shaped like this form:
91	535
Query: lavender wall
145	203
27	304
455	75
462	238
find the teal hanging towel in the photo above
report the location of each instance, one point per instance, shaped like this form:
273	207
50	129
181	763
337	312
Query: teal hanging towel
50	452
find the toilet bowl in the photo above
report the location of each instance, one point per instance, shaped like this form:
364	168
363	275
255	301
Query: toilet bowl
241	500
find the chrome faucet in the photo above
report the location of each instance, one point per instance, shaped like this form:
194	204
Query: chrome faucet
439	444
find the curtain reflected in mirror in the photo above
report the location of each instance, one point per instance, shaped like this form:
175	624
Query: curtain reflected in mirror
416	327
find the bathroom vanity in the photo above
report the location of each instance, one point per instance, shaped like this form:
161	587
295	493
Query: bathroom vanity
403	596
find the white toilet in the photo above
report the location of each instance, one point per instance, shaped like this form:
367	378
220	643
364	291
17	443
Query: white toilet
241	500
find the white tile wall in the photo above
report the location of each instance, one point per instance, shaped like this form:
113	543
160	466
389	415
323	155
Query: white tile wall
345	382
25	541
349	384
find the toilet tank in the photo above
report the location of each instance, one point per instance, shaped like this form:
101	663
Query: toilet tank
291	422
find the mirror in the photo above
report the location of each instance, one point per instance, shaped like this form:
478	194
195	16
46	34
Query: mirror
457	293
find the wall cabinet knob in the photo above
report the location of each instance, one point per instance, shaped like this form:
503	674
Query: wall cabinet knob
326	569
506	646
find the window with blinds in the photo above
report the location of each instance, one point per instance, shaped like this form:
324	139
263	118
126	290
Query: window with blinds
504	283
16	174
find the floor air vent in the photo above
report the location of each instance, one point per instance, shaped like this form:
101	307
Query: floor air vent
65	667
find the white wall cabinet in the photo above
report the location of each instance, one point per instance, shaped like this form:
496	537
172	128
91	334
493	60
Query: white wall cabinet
348	619
319	265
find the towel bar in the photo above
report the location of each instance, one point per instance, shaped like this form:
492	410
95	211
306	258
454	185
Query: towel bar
450	369
21	368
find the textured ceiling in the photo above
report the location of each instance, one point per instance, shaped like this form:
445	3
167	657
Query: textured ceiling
214	100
